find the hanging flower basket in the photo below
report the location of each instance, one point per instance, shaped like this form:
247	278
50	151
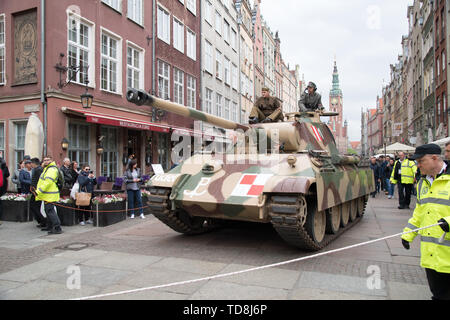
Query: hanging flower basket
109	209
15	207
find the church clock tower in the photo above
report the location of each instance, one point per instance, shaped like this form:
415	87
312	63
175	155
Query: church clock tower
337	105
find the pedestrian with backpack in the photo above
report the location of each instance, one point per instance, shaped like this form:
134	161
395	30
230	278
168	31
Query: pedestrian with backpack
47	191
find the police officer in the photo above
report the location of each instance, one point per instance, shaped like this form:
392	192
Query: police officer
404	174
310	99
266	109
48	191
433	206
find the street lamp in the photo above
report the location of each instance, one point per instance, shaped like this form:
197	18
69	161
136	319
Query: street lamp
86	98
65	144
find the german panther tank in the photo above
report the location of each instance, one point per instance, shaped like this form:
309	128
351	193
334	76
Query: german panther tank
300	184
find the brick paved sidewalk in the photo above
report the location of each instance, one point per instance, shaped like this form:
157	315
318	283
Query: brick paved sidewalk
141	253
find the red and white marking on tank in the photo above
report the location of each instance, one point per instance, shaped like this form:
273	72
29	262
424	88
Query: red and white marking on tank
251	185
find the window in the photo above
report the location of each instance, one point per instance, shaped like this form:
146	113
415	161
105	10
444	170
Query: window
163	80
234	76
134	11
191	6
209	12
163	25
226	31
178	86
110	65
19	141
208	57
191	87
2	49
80	53
227	71
227	109
218	23
79	144
234	112
234	39
208	101
110	163
191	45
178	35
135	68
219	69
218	105
113	4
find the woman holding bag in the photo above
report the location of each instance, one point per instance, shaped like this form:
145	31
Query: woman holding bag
86	181
133	181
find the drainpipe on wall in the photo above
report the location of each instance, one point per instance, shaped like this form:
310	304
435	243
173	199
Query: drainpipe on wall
43	98
153	56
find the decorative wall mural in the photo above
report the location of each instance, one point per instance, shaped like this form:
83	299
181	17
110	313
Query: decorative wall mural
25	48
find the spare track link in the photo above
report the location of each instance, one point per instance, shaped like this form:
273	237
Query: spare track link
290	226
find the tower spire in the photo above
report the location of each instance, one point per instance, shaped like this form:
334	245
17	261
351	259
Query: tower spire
336	91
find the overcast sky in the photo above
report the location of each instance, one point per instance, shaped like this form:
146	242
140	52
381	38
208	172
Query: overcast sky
365	36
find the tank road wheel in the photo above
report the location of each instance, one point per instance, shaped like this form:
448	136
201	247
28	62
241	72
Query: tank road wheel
361	206
197	225
316	223
333	219
353	209
345	214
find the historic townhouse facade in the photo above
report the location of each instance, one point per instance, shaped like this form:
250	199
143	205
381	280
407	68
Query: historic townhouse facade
220	63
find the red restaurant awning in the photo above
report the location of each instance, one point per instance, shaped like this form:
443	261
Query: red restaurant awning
93	117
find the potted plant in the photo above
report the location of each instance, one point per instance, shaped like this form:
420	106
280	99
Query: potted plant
66	210
16	207
109	209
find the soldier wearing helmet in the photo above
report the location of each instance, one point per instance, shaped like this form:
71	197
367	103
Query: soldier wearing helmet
310	99
266	109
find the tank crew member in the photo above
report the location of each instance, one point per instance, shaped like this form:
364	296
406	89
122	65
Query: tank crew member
310	99
433	206
266	109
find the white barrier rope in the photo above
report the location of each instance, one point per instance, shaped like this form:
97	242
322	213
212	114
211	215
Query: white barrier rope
255	268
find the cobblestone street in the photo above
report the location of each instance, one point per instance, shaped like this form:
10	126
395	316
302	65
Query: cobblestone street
141	253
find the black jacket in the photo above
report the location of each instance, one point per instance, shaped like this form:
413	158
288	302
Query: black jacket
6	174
376	170
68	179
35	175
86	184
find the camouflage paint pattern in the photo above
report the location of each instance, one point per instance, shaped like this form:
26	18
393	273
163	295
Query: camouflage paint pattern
219	192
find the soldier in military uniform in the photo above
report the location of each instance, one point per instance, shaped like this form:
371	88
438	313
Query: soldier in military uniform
266	109
311	100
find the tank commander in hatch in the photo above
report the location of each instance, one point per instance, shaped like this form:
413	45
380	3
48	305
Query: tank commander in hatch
266	109
310	99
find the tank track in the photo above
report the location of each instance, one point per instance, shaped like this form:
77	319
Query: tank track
290	224
159	206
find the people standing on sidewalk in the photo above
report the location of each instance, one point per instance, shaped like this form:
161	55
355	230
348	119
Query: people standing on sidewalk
5	174
433	206
16	174
25	177
447	151
387	176
377	175
133	181
68	179
47	191
87	181
35	206
74	172
403	174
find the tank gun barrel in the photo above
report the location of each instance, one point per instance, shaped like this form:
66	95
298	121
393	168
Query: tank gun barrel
140	97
